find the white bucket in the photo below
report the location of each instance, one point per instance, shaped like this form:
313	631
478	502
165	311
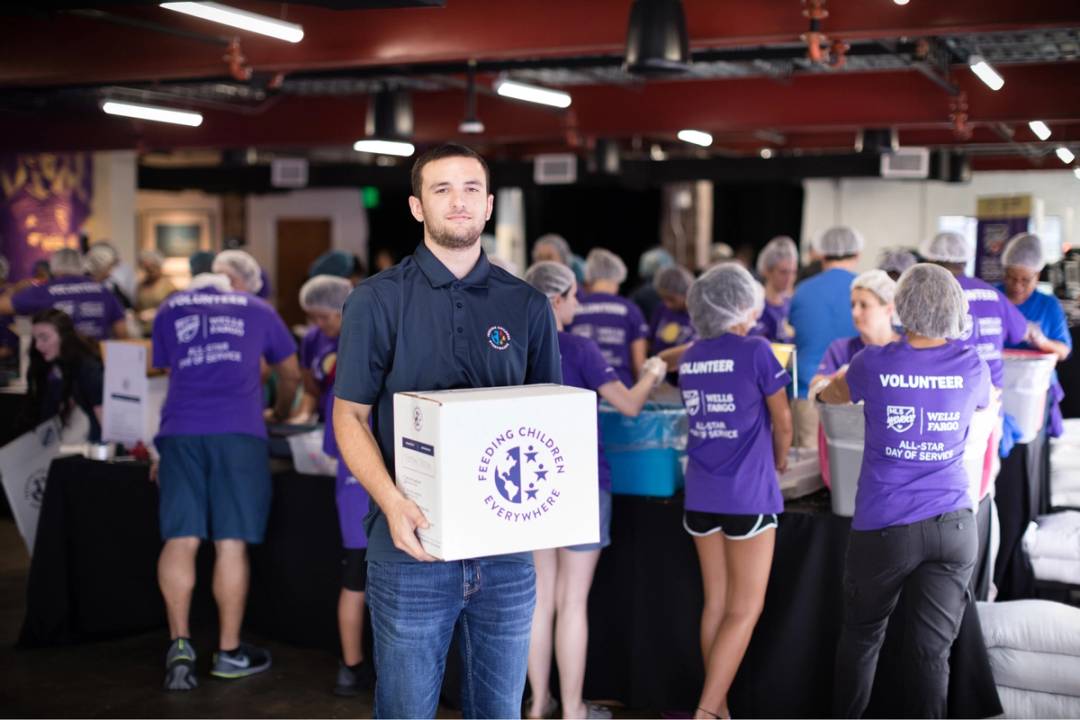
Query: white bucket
308	456
1026	384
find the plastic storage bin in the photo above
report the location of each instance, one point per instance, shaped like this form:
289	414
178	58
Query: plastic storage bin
845	431
646	453
308	456
1025	386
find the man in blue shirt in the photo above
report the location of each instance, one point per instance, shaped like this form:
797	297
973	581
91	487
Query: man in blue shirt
442	318
820	313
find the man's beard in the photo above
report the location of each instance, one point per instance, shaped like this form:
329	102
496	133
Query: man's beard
445	237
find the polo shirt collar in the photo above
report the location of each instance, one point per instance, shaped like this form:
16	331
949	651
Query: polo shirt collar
438	275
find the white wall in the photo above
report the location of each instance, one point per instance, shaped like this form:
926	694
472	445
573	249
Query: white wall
892	213
112	207
344	209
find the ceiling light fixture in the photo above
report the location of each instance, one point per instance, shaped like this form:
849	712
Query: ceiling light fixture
765	153
987	74
532	93
384	147
151	112
695	137
901	2
242	19
1040	129
1064	154
471	125
656	39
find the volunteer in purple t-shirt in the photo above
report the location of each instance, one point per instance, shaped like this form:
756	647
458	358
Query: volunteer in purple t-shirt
214	474
670	324
733	388
93	308
564	575
322	298
613	322
913	530
777	266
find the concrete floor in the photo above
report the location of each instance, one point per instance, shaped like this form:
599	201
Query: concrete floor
122	678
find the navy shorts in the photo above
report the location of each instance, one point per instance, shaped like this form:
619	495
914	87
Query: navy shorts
734	527
214	487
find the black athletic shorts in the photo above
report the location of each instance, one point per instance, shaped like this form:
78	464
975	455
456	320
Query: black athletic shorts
734	527
354	570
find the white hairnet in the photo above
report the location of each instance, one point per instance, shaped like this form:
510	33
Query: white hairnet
1024	250
152	258
877	282
324	292
601	264
238	265
556	241
777	250
100	259
719	252
551	278
837	242
949	247
213	280
725	296
66	261
652	261
931	303
673	280
896	261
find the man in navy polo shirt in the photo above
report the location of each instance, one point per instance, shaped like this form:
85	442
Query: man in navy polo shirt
442	318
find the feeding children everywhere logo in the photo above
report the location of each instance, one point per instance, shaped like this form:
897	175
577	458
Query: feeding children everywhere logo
525	465
899	418
498	337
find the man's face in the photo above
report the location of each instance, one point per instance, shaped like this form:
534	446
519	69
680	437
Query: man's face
454	204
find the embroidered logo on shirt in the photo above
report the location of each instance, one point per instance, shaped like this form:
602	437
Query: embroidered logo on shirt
186	328
692	401
899	418
498	337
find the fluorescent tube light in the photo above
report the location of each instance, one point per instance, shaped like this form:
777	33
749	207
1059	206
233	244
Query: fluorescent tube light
986	73
532	93
234	17
150	112
695	137
1065	154
1076	172
1040	129
384	147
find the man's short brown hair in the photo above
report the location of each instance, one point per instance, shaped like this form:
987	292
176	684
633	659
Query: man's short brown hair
446	150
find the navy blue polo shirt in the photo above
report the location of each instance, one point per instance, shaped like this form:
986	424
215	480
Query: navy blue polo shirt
416	327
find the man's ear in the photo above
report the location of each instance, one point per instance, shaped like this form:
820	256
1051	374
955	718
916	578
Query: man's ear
417	208
490	207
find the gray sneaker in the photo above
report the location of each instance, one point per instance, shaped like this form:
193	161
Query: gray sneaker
180	666
241	662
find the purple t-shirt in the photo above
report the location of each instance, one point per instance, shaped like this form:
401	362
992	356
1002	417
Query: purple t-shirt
92	307
318	354
212	341
839	354
995	322
773	323
917	406
584	366
730	468
613	322
669	328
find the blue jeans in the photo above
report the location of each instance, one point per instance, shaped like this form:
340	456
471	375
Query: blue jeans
417	608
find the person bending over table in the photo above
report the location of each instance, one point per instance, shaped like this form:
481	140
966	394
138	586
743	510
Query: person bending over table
442	318
670	324
913	529
322	298
777	266
214	471
740	432
564	575
65	372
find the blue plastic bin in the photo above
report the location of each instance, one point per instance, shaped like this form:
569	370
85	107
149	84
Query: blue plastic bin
646	453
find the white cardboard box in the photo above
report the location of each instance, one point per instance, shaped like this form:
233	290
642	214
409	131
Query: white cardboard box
499	470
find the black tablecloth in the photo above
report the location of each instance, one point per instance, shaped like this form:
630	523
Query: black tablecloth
1022	494
93	575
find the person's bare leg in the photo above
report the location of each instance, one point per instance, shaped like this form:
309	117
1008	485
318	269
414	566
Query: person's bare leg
230	590
176	577
543	625
350	613
572	586
710	550
749	562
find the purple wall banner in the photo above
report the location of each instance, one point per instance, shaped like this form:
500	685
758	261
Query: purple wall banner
44	201
999	218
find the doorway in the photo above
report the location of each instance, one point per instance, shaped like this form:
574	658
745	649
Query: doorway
299	242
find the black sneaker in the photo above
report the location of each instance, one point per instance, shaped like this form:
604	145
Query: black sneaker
351	681
180	666
241	662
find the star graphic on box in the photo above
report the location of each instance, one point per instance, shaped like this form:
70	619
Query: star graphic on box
530	455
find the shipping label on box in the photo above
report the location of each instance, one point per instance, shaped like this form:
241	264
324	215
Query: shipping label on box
499	470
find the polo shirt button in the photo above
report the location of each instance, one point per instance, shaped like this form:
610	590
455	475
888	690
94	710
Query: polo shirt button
460	330
460	305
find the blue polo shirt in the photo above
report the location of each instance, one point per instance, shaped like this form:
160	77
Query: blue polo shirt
820	313
416	327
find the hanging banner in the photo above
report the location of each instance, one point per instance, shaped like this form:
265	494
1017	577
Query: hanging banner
25	466
44	201
999	218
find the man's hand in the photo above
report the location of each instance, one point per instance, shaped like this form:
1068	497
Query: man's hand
404	518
